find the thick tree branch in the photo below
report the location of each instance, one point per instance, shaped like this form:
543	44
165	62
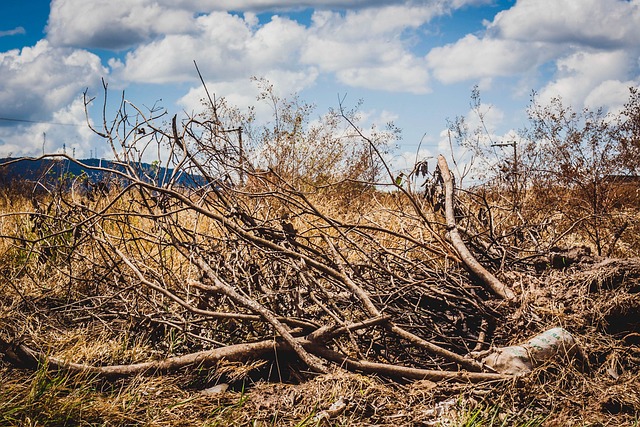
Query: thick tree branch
488	279
25	356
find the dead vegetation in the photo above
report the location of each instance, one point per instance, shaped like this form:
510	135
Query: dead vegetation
227	292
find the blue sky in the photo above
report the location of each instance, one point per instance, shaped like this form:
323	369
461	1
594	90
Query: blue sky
413	62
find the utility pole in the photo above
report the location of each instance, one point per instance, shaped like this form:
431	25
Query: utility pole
515	154
241	153
241	159
514	171
44	141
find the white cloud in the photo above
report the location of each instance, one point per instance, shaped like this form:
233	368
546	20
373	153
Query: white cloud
243	93
13	32
583	77
225	46
593	44
360	24
594	23
114	25
276	44
228	47
476	58
404	76
367	45
378	58
40	79
260	5
119	25
612	94
67	129
239	93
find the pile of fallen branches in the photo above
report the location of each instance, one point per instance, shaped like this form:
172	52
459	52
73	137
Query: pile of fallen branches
211	267
214	260
228	272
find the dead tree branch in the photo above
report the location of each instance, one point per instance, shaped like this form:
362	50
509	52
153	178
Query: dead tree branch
488	279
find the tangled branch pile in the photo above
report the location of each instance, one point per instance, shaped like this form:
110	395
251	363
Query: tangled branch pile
216	260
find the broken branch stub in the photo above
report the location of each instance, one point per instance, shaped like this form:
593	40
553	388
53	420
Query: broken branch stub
489	280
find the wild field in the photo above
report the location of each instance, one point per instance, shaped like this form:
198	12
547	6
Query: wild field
300	295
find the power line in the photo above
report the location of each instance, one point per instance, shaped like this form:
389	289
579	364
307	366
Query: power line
8	119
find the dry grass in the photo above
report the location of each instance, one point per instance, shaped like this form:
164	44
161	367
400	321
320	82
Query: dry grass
41	305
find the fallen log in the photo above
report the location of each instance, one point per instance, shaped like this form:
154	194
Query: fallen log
22	355
402	372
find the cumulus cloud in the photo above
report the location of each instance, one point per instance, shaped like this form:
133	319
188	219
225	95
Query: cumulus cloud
228	46
217	46
387	20
407	75
225	46
612	94
124	24
584	78
66	130
242	93
40	79
165	36
260	5
114	25
593	45
378	58
475	58
590	23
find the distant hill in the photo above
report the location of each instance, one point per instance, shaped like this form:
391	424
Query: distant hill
52	170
